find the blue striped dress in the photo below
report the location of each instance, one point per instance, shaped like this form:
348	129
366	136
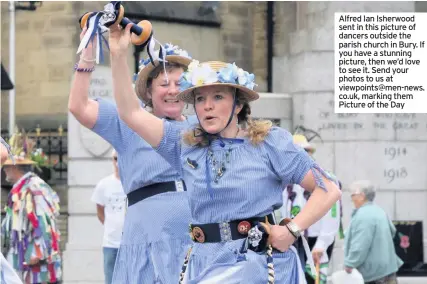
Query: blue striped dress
155	233
250	187
8	274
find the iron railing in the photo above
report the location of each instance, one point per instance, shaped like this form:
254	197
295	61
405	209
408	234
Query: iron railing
55	146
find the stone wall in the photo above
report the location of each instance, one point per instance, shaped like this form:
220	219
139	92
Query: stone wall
236	32
47	41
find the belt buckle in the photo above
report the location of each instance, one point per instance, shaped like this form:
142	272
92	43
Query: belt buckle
197	235
225	232
179	185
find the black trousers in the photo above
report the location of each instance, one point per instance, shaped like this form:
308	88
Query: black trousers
301	253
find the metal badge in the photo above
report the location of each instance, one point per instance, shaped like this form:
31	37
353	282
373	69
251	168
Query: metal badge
192	163
254	236
244	227
198	234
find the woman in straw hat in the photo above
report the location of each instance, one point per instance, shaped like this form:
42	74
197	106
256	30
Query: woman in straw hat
30	230
227	170
155	232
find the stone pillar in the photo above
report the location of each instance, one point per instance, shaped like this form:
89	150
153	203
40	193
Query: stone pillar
275	107
388	149
89	160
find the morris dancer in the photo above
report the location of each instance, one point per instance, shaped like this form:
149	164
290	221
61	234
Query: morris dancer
227	171
30	228
155	234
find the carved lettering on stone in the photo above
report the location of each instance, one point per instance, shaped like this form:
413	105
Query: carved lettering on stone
389	165
316	112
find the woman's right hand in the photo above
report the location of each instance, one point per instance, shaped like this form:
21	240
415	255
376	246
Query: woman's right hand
280	238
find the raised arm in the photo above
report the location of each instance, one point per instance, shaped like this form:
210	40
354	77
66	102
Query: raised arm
148	126
85	110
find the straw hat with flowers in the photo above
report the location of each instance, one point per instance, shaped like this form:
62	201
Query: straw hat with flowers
168	54
21	148
216	73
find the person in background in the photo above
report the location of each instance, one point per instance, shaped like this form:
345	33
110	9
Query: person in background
30	228
321	235
369	243
110	202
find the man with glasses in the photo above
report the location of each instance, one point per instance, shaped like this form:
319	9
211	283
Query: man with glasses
110	202
369	245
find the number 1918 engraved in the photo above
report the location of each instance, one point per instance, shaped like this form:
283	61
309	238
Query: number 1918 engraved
394	174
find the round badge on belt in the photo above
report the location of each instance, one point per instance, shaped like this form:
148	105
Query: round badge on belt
244	227
198	235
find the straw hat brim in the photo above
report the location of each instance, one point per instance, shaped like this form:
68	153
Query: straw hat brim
187	95
141	81
308	146
18	162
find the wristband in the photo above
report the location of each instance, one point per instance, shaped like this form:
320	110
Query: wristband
76	68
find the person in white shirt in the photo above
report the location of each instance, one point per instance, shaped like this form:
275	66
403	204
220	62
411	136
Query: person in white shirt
110	202
321	235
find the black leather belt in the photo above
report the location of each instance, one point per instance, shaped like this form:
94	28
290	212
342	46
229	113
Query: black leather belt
225	231
151	190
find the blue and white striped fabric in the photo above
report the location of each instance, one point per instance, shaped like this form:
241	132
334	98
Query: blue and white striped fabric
251	186
138	164
155	234
8	275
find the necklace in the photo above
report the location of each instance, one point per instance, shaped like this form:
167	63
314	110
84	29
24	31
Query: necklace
218	167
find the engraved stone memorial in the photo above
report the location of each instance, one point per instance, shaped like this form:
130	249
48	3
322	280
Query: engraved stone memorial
388	149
